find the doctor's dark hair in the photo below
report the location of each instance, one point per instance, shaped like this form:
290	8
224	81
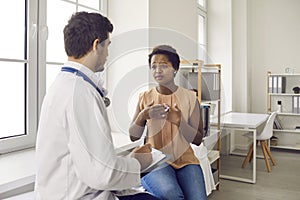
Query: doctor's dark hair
169	52
82	30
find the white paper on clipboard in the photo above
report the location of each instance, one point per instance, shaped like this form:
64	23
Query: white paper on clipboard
157	157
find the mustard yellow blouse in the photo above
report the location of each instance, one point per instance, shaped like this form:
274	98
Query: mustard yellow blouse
164	135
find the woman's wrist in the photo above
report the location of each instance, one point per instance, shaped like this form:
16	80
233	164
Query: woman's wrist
142	118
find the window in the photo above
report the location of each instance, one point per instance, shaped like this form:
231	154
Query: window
31	55
18	66
63	9
202	55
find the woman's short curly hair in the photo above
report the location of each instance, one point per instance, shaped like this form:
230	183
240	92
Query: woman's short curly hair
169	52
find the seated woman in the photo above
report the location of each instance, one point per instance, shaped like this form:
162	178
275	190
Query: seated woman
172	116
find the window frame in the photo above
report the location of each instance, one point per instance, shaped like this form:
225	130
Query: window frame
202	11
28	139
35	75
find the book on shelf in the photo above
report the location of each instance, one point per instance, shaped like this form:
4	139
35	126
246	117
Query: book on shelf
277	84
296	104
270	90
274	87
281	84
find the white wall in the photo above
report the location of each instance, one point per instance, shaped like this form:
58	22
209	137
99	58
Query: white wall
274	30
126	71
220	45
174	22
265	38
240	82
250	38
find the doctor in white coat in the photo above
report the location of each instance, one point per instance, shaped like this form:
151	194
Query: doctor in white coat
74	150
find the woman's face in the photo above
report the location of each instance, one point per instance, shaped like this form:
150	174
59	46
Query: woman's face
162	69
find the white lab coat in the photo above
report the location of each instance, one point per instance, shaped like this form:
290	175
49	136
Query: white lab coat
74	150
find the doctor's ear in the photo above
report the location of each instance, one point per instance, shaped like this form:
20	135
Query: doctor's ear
95	43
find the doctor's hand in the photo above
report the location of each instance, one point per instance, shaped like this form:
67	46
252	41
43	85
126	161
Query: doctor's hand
143	155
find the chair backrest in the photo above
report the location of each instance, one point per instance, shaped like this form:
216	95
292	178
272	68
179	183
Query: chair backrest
268	129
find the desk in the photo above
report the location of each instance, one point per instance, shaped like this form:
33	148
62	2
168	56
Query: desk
243	122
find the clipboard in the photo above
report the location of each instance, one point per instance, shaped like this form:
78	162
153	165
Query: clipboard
159	159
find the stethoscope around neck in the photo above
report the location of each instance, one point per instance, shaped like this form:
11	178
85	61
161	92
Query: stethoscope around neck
87	79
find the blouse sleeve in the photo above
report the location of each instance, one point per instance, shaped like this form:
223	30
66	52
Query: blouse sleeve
141	100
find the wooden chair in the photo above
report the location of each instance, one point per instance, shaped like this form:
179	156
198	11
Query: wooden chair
262	137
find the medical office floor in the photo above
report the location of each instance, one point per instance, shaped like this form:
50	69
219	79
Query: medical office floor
283	182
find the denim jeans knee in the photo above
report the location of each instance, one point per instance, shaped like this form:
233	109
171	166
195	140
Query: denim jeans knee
162	183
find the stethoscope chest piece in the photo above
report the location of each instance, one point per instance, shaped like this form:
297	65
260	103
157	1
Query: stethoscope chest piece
106	101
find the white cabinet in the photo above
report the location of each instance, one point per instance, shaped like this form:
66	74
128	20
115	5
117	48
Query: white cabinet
283	99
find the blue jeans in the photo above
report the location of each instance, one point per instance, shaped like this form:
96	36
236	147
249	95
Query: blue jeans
174	184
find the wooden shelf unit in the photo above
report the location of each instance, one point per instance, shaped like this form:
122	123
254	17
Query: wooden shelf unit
197	66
